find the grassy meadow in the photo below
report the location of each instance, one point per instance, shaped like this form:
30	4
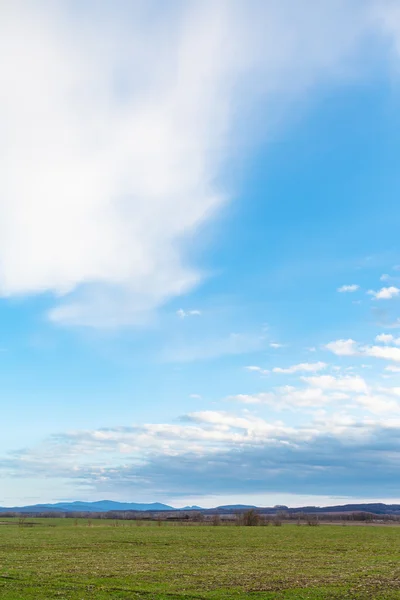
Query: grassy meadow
72	560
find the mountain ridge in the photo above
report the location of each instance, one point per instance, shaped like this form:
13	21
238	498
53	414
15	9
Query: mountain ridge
111	505
98	506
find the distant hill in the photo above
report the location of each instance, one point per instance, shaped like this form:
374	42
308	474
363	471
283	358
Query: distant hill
100	506
110	505
236	507
376	508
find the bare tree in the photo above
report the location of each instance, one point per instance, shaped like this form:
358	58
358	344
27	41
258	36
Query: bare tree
216	519
251	518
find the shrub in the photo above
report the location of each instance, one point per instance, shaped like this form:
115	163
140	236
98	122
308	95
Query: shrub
216	520
251	518
312	520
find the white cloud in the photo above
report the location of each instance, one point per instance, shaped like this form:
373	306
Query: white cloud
378	404
392	369
224	421
115	126
343	347
257	369
348	288
345	384
302	367
387	338
291	397
385	293
334	452
286	397
325	392
195	396
394	390
351	348
385	352
188	313
384	338
275	345
262	398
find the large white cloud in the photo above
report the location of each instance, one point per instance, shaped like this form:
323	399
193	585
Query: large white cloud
116	121
215	452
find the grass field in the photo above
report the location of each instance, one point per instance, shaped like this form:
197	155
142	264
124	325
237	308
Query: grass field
58	559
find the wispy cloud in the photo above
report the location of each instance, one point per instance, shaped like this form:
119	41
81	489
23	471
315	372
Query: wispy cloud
348	288
351	348
122	127
213	347
348	383
188	313
392	369
256	369
387	338
302	367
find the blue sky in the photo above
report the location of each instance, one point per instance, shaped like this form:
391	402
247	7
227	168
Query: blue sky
199	255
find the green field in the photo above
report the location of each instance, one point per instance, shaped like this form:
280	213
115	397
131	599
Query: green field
58	559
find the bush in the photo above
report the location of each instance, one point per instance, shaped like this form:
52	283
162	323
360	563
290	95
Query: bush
216	520
198	517
251	518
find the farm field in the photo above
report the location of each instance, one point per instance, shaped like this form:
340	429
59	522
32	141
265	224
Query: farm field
58	559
